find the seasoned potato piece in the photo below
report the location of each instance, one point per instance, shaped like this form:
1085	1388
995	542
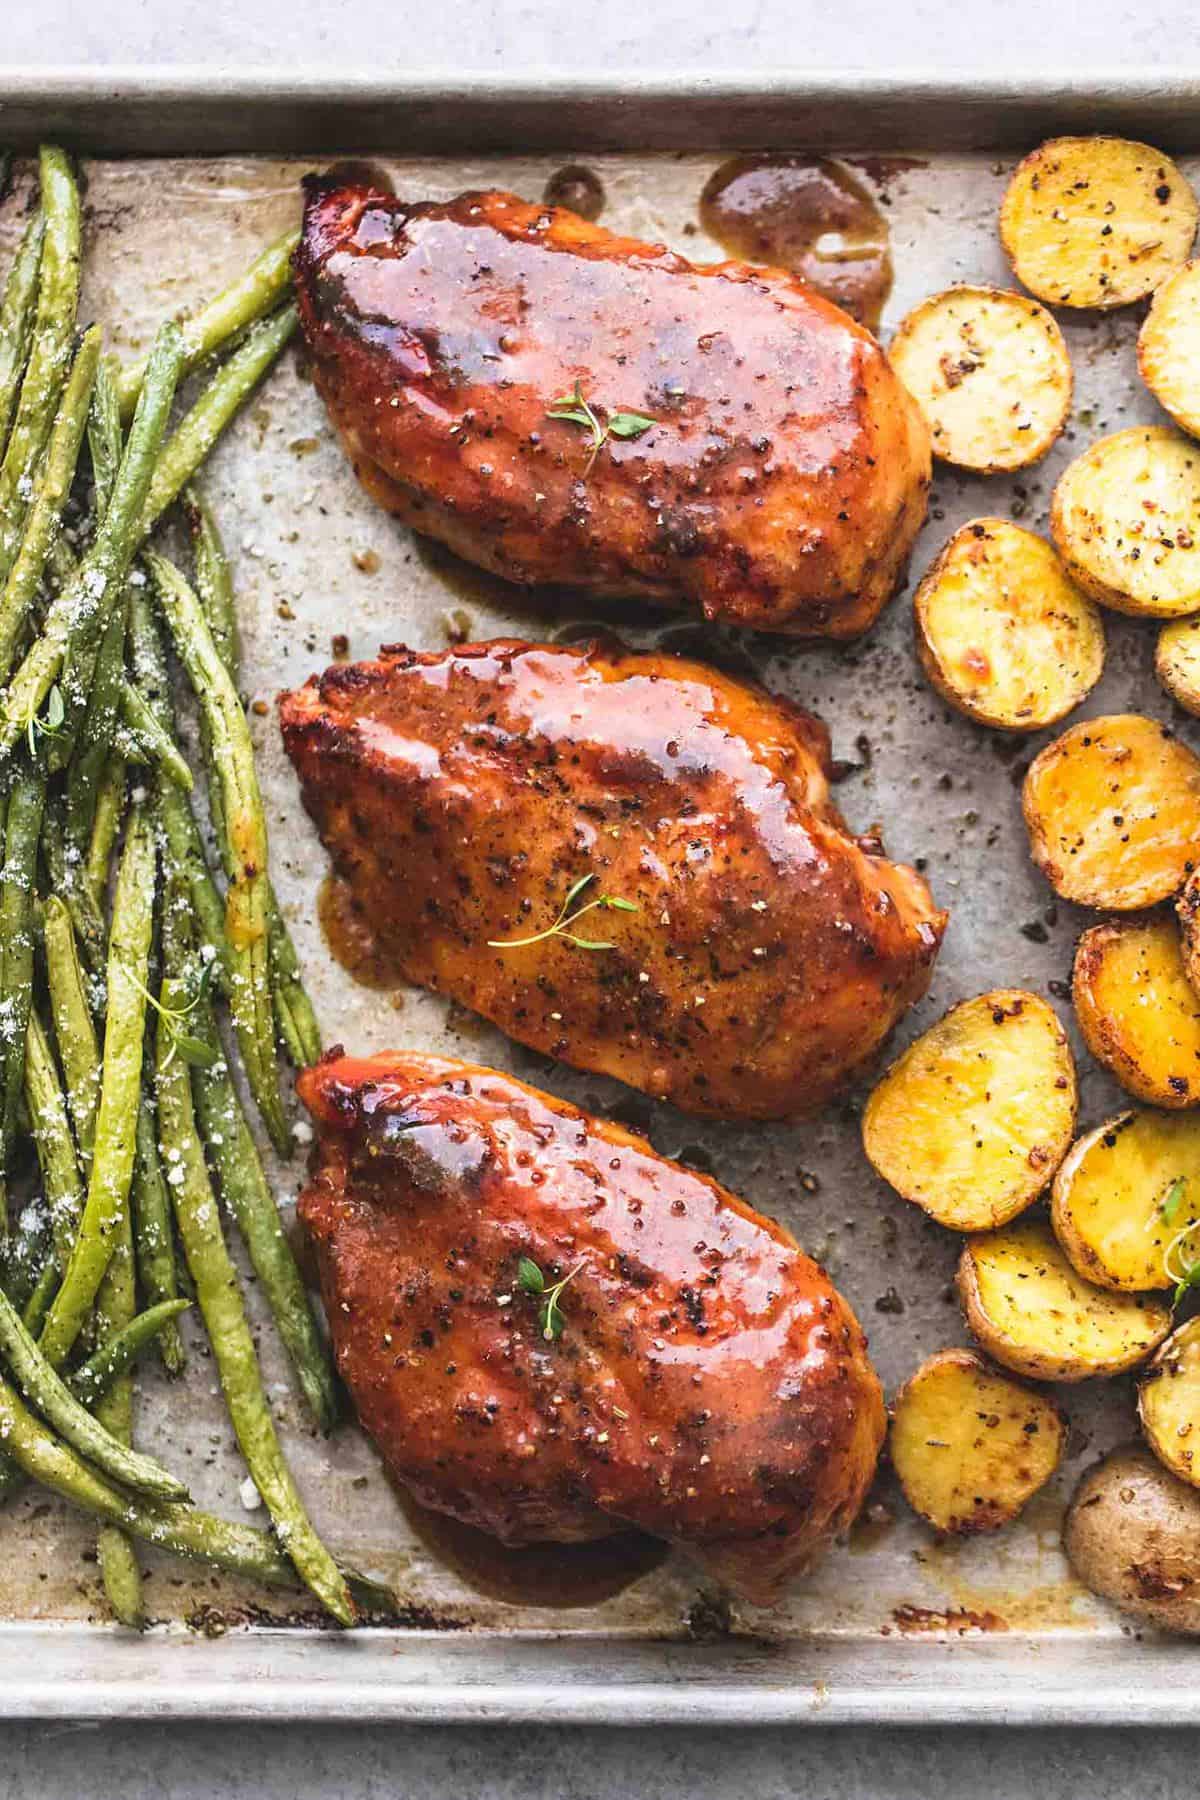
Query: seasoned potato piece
1132	1535
1033	1313
989	370
1096	221
970	1446
1124	516
972	1121
1168	349
1112	808
1002	632
1124	1193
1177	662
1169	1403
1137	1010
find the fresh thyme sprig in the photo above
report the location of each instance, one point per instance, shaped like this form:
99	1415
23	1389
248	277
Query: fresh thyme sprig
551	1318
1184	1275
575	410
193	1050
566	918
51	724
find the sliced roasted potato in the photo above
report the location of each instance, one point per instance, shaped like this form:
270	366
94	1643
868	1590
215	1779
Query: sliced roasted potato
990	371
1177	662
1002	632
1137	1010
1113	812
1125	518
1169	1403
970	1445
1096	221
972	1121
1168	347
1124	1192
1033	1313
1132	1535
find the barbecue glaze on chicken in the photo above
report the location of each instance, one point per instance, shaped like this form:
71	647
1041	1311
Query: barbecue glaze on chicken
708	1385
761	953
780	485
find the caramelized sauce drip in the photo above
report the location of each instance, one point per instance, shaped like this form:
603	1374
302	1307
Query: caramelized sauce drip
559	1575
805	214
578	188
350	940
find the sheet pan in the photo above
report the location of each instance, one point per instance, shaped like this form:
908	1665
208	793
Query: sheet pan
197	171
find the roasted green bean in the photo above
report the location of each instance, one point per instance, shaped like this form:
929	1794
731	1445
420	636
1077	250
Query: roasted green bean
219	1295
247	1193
52	1136
200	428
116	1304
106	440
86	1435
50	349
214	587
74	1031
17	888
51	490
79	614
247	902
253	294
119	1352
153	1237
120	1088
17	311
98	722
156	744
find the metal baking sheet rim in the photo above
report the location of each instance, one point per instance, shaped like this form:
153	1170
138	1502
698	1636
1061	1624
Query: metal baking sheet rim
55	1670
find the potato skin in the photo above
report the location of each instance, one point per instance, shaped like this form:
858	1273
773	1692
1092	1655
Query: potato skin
990	1478
1063	195
1095	803
1177	662
952	1126
1049	1359
989	369
1111	1021
1132	1535
1168	347
1187	910
1107	1218
1123	516
1060	629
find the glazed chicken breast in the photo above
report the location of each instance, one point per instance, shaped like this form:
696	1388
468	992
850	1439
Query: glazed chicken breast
748	450
697	1376
741	953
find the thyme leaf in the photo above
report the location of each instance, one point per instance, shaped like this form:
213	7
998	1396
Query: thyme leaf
530	1277
551	1318
1172	1200
561	927
574	409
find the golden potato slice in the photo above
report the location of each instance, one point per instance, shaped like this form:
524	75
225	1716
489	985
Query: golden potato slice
1002	632
1033	1313
1132	1535
1124	1193
990	371
969	1445
1126	519
1137	1010
972	1121
1096	221
1169	1403
1168	349
1112	808
1177	662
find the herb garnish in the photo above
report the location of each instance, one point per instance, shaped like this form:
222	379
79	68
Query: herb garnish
566	918
551	1318
575	410
51	725
193	1050
1172	1200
